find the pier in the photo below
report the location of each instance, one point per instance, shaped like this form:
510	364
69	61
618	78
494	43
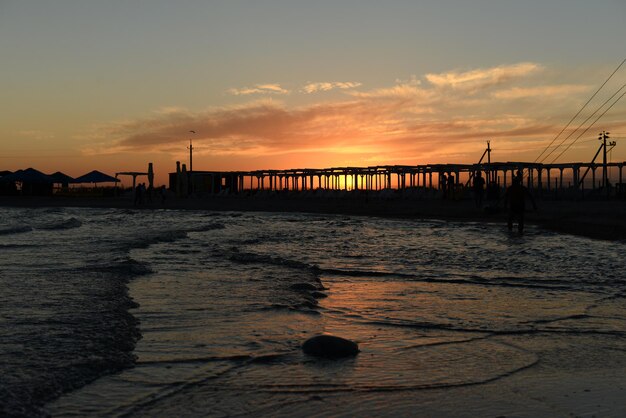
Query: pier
544	178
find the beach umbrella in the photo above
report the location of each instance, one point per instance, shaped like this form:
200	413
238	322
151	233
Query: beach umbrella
30	175
6	187
10	177
95	176
61	178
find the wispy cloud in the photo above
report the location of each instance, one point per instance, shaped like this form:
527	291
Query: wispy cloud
397	123
327	86
35	134
401	90
539	91
480	78
259	89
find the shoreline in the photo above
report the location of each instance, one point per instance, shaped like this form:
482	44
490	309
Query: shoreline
604	220
564	352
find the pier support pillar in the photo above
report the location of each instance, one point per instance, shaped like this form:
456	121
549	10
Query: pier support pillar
593	178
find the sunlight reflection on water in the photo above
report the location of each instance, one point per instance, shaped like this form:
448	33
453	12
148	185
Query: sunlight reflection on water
432	304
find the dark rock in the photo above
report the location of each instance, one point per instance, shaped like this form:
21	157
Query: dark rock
319	295
304	287
330	346
310	304
309	312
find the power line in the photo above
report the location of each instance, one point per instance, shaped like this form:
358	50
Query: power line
589	127
539	147
581	109
583	123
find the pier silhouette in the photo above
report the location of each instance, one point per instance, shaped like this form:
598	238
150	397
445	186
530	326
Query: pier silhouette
559	178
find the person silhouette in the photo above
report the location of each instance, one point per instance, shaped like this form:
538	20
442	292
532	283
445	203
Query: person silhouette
443	184
163	195
451	186
138	196
515	197
142	193
478	186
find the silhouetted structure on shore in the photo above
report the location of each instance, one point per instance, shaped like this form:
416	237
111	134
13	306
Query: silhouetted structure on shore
545	178
31	182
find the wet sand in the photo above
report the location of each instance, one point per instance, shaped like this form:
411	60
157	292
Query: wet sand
589	218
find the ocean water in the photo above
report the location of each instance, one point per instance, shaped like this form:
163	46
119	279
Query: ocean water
115	312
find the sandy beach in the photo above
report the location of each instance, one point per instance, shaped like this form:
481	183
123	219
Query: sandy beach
590	218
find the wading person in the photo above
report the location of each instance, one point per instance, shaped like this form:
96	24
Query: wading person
515	197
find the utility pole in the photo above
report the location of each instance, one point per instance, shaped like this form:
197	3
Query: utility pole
190	148
487	171
488	163
603	136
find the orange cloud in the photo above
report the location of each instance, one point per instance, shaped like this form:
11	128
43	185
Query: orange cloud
327	86
539	91
481	78
259	89
410	122
401	90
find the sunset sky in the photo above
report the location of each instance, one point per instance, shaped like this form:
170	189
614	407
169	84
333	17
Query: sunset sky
112	85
